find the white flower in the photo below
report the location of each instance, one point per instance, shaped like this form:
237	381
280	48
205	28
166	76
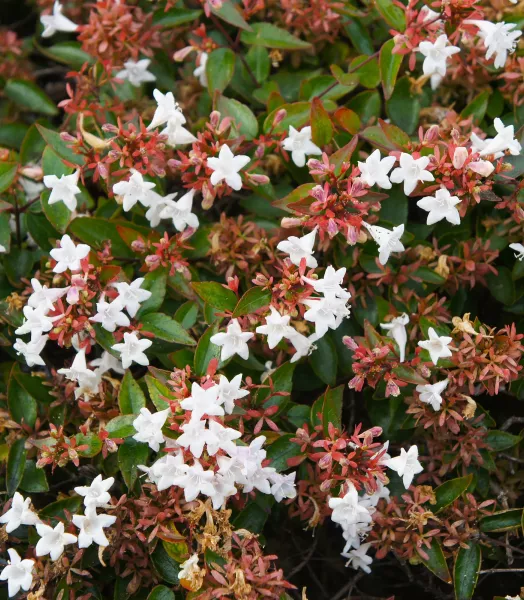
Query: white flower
20	513
437	346
441	206
189	568
157	203
203	402
130	295
504	140
149	427
167	110
223	488
31	351
96	494
36	322
52	541
234	341
411	171
348	511
64	189
326	313
110	315
430	15
396	329
169	468
406	465
499	39
196	481
283	486
178	135
276	327
329	285
68	256
200	71
519	249
358	558
78	371
299	248
300	145
2	249
136	72
18	573
180	211
229	391
226	167
132	350
92	528
56	22
194	436
44	296
219	437
431	393
436	56
107	362
134	190
303	345
375	170
388	241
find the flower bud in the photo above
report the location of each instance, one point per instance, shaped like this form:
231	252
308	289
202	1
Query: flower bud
459	157
138	245
482	167
279	117
152	261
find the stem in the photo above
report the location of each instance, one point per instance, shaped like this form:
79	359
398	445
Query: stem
352	70
491	571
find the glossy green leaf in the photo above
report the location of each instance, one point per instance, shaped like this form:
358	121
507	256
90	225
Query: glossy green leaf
131	454
392	14
22	406
161	592
206	351
220	68
130	396
8	172
324	360
167	329
166	567
436	561
332	408
156	283
15	465
254	299
27	94
245	121
271	36
34	480
121	426
449	491
321	126
503	520
389	67
229	13
465	573
281	450
501	440
216	295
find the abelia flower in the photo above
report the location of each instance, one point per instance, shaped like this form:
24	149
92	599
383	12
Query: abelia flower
43	296
406	465
131	296
375	170
36	322
519	249
56	22
18	573
437	346
388	241
134	190
203	402
300	144
19	513
63	189
499	39
31	350
431	393
503	141
196	481
226	167
149	427
358	558
396	329
97	493
436	56
441	206
219	437
229	391
53	541
330	284
68	255
177	135
132	350
167	109
325	313
276	328
92	527
107	362
411	171
200	71
110	315
233	341
302	344
299	248
136	72
180	211
78	371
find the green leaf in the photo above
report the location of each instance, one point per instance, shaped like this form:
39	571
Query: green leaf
165	566
157	391
69	53
216	295
477	107
502	286
282	380
206	351
409	375
28	95
389	67
22	406
121	426
245	120
369	73
465	573
220	68
282	449
161	592
92	441
34	480
255	514
297	114
392	14
429	276
7	174
271	36
57	510
501	440
12	135
502	521
175	17
5	231
187	314
403	107
15	465
436	562
156	283
348	120
130	397
449	491
254	299
167	329
258	60
59	146
131	454
321	126
332	408
229	13
324	360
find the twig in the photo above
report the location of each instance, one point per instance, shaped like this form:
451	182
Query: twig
492	571
348	588
352	70
511	421
307	558
512	458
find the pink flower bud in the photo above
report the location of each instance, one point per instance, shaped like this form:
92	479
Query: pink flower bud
152	261
482	167
214	119
110	128
432	134
174	164
349	342
67	137
459	157
258	179
33	172
138	245
290	222
180	55
279	117
392	389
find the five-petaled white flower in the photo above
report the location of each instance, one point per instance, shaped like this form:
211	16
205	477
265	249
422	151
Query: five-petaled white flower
177	135
330	284
110	315
441	206
200	71
134	190
106	363
326	313
388	241
283	486
277	327
92	528
36	322
375	170
299	248
20	513
52	541
411	171
180	211
63	189
68	256
97	493
300	144
519	249
149	427
406	465
196	481
226	167
31	350
56	22
44	296
132	350
499	39
504	140
167	109
396	329
233	341
87	379
131	295
229	391
430	393
18	573
437	346
436	56
136	72
219	437
358	558
203	402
